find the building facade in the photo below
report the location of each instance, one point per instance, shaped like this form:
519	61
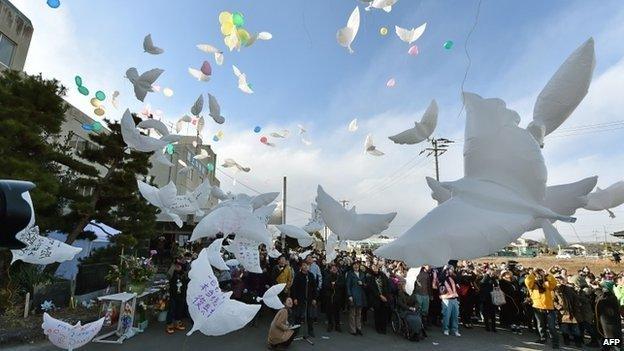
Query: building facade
16	31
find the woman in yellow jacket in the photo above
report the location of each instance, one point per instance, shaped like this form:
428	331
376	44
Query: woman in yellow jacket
541	286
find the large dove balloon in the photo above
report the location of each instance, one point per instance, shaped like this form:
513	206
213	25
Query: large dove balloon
606	199
422	130
410	35
265	213
212	310
349	225
346	35
231	163
149	47
143	83
232	219
215	109
243	85
155	124
214	255
139	142
385	5
42	250
67	336
370	148
303	238
173	205
563	92
499	198
246	253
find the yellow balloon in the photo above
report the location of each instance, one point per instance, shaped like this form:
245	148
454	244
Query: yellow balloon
225	17
220	134
231	41
243	36
95	102
227	28
383	31
99	111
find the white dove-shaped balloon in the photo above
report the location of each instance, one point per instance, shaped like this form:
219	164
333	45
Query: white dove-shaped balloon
209	49
315	223
139	142
410	35
242	81
231	163
41	249
499	198
385	5
215	109
198	74
303	238
155	124
258	36
303	255
330	247
422	130
284	133
173	205
346	35
349	225
563	92
353	126
143	83
271	298
67	336
606	199
149	47
265	213
212	310
233	219
246	253
213	252
370	148
115	100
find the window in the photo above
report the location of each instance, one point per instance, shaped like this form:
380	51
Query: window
7	48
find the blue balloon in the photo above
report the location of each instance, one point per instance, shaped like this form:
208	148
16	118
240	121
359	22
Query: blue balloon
87	127
54	3
215	138
257	129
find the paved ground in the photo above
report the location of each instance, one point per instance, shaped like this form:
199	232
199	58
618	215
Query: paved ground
254	337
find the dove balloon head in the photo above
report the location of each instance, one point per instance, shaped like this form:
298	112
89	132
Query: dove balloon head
16	211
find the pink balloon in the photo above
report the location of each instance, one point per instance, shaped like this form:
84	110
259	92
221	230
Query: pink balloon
264	140
391	83
206	69
413	50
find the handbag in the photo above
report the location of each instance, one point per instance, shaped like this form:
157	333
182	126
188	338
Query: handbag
498	297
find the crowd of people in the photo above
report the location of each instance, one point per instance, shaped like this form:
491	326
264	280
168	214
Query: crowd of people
579	308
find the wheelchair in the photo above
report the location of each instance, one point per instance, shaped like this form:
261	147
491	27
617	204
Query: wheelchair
400	327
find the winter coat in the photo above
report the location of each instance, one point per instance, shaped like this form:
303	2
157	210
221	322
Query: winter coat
375	291
566	303
422	284
334	293
355	288
302	290
404	302
609	323
279	331
542	300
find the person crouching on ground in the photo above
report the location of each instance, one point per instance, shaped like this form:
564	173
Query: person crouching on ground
177	289
281	333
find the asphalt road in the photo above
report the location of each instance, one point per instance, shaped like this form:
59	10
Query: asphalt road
254	338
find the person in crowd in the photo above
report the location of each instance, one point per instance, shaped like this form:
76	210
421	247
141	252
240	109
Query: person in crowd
378	285
355	283
177	297
567	305
618	291
423	290
408	309
304	294
488	284
511	311
450	305
282	273
316	271
608	320
467	296
586	318
333	291
541	286
281	333
364	270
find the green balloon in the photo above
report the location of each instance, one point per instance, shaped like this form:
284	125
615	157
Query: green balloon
210	167
83	90
170	149
448	44
96	126
237	19
78	80
100	95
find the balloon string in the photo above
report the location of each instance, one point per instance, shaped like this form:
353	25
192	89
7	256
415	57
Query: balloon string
305	27
474	25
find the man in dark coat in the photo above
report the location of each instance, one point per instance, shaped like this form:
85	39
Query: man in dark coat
304	296
177	298
379	292
608	315
333	291
355	283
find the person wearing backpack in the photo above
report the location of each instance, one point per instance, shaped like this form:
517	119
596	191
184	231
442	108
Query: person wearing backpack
490	299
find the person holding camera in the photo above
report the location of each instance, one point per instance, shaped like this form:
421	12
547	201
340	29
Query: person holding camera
541	286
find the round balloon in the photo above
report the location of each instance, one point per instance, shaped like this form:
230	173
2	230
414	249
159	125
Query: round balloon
215	138
413	50
391	83
95	102
220	134
448	44
170	149
257	129
225	17
243	36
383	31
54	3
78	81
100	95
96	126
87	127
99	112
83	90
206	69
264	140
227	28
210	167
237	19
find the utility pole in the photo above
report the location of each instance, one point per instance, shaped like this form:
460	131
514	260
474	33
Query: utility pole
283	212
438	147
344	203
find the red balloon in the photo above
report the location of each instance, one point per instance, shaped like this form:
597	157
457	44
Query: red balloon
264	140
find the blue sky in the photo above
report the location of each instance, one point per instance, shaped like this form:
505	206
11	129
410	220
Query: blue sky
302	76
